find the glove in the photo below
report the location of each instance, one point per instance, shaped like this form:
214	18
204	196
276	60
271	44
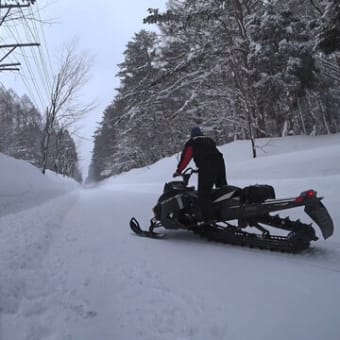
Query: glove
176	174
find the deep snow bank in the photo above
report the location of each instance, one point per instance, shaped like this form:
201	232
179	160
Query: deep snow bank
23	186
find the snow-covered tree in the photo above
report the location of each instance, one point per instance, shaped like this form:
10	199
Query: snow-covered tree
240	69
329	30
21	131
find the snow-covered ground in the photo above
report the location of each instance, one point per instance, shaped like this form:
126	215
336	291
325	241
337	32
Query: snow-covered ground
71	269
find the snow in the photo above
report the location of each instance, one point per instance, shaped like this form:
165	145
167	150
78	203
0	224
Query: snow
23	186
72	269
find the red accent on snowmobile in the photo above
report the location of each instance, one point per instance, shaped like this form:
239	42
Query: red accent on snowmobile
309	194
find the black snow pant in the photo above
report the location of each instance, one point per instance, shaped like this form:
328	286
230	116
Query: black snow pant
210	174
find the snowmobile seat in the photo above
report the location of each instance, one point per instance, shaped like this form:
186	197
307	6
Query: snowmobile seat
225	192
257	193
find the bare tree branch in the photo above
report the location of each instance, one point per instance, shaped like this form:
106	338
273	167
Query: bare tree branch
66	107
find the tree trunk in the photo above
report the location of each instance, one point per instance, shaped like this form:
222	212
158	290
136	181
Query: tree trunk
251	134
45	144
301	115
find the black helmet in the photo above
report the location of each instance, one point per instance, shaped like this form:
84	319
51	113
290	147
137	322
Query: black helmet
196	131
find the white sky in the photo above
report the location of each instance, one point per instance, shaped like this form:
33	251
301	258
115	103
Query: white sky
72	269
103	28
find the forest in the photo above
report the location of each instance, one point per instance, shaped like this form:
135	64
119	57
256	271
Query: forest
240	69
22	131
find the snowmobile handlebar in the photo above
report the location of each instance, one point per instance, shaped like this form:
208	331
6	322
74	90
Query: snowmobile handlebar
187	174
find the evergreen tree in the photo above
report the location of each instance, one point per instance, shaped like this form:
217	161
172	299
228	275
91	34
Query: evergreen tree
329	30
283	68
240	69
21	133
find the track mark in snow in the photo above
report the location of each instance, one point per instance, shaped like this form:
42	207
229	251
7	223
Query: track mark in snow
323	258
33	279
82	310
157	311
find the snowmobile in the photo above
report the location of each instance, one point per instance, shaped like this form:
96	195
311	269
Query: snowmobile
236	212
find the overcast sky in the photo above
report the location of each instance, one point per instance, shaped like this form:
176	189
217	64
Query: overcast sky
103	28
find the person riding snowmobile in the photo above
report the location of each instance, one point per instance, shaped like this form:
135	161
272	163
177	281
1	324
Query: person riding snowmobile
211	168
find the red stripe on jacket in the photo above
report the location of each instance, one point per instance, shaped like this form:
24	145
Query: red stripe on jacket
185	159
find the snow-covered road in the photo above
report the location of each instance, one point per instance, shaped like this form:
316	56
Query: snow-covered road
96	280
71	269
185	288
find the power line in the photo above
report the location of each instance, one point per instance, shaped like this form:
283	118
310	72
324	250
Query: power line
46	70
40	65
28	30
45	46
29	68
9	6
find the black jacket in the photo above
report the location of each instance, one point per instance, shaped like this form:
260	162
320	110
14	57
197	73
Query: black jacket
202	149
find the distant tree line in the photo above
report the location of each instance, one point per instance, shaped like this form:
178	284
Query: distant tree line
240	69
22	134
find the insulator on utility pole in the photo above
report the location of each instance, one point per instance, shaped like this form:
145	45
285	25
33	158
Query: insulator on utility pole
16	3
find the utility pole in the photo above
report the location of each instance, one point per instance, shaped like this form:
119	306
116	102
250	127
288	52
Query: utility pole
9	48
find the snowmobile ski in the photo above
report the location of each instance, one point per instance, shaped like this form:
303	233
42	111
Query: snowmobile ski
135	227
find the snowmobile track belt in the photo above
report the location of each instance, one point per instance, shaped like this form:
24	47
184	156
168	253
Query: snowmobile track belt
297	240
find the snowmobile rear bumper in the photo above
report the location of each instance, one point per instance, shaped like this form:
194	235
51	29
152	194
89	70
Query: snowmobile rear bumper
319	214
